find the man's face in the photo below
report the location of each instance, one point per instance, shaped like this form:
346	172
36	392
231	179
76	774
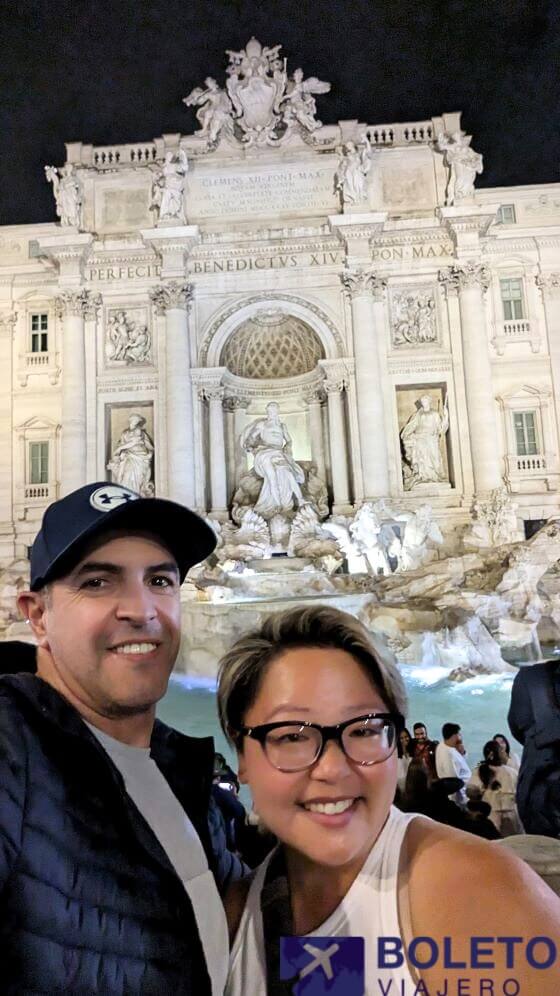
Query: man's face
421	734
112	627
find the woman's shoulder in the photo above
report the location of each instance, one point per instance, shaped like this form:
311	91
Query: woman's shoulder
444	862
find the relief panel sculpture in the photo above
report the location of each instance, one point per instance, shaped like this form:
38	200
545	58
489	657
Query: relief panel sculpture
413	316
127	338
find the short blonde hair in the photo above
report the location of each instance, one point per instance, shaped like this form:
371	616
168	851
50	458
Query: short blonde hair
241	670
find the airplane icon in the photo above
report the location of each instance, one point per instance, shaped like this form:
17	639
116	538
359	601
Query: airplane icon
321	959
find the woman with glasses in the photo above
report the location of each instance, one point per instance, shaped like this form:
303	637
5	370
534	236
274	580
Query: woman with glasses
314	712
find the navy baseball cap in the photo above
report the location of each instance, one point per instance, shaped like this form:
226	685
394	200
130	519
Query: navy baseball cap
70	524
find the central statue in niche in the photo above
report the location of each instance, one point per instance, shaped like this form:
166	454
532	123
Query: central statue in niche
270	444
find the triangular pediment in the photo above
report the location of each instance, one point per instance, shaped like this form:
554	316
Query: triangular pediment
38	422
524	392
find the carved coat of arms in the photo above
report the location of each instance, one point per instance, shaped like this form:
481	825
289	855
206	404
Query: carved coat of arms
261	105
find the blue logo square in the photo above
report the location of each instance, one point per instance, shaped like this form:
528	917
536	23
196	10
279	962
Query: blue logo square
321	965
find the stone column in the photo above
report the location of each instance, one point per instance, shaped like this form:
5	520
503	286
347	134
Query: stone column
214	394
334	387
173	300
316	432
74	307
471	280
366	290
7	326
549	286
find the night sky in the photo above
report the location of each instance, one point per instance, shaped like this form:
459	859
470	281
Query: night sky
115	71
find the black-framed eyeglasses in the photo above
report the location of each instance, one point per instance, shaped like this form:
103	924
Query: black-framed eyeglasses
294	746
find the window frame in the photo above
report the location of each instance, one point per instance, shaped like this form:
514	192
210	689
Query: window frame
512	300
43	464
39	334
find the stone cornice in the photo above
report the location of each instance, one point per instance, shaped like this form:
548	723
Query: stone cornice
173	295
463	219
490	247
419	365
274	248
121	384
350	227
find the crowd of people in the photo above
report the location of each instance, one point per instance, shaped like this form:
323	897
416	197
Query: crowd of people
435	778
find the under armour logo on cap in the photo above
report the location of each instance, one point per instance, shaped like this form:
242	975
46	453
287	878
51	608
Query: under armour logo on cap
108	498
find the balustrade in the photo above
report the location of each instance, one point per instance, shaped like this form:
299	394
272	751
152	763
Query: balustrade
110	156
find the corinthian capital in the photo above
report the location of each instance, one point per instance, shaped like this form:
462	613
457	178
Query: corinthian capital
171	295
81	303
548	282
337	375
361	281
457	278
7	322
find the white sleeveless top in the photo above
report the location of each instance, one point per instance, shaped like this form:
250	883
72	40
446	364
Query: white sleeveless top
369	910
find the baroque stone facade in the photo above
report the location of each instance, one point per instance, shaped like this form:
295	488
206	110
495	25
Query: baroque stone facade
349	274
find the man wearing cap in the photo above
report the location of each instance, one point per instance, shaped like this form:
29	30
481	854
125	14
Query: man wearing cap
109	842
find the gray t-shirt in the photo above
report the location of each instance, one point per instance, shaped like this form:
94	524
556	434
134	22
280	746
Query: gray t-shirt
151	793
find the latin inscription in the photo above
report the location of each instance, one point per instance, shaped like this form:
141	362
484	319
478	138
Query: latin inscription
137	271
279	261
275	192
388	254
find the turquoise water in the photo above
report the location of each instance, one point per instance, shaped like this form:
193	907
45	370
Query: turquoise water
479	706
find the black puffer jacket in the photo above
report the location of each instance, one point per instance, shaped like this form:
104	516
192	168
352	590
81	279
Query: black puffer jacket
89	902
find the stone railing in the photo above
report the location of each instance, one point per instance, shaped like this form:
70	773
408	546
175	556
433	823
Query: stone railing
35	494
526	465
414	133
37	359
111	157
516	330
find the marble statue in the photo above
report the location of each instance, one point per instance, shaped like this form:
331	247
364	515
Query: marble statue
67	192
251	541
214	109
463	164
338	526
299	103
366	532
415	319
315	490
261	105
421	436
309	539
420	538
168	187
131	460
127	341
494	521
268	440
352	172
